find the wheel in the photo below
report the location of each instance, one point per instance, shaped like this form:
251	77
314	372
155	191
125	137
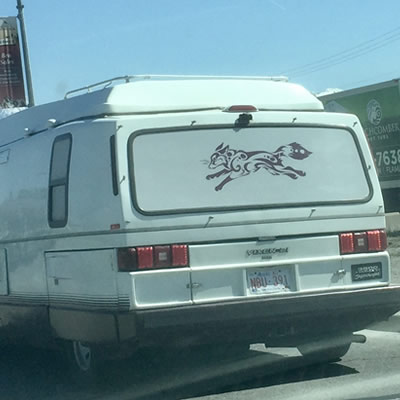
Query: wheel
82	356
325	350
83	360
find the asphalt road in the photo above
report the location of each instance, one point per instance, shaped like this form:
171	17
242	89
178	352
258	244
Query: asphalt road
369	371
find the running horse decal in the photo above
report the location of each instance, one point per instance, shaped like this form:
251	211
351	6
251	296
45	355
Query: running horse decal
238	163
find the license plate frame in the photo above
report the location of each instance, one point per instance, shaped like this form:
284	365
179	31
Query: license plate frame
366	272
267	280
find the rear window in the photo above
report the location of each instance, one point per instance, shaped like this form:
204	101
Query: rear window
258	167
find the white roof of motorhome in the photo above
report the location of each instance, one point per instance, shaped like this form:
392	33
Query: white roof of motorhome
148	94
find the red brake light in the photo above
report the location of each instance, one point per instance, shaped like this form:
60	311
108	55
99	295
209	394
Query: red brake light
346	243
377	240
241	108
180	255
145	257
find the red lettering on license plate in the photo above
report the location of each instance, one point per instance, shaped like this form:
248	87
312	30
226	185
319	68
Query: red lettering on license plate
258	282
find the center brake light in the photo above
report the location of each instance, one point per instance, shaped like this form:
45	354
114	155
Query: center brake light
152	257
241	108
363	242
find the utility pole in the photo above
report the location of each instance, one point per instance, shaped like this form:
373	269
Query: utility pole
29	87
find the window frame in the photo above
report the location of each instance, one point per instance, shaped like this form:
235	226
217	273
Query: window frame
64	181
133	190
114	176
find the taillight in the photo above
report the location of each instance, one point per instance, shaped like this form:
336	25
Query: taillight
127	259
346	243
180	255
152	257
363	242
145	257
377	240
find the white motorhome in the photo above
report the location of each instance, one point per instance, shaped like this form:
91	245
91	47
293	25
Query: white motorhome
186	210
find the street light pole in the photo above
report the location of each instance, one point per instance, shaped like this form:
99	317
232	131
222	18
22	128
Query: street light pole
20	8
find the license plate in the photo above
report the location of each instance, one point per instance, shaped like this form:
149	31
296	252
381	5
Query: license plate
366	272
269	280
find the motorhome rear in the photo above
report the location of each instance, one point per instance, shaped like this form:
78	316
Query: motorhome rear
190	210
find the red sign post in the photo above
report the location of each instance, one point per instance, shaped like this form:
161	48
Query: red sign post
12	90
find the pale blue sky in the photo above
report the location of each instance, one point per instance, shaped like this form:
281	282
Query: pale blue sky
77	42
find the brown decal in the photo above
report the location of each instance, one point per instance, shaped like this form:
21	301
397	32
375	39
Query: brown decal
237	163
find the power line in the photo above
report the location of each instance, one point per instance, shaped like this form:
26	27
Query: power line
346	52
347	58
351	49
346	55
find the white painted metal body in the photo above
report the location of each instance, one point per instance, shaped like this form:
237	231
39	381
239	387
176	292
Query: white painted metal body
72	272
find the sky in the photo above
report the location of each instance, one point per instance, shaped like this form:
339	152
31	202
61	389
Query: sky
318	43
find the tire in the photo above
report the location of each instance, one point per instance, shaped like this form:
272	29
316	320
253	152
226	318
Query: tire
325	350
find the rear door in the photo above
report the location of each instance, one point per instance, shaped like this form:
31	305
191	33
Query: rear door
210	170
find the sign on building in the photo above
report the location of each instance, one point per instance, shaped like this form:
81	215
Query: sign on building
12	92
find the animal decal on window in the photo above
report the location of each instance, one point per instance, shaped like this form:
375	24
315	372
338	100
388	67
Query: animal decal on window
238	163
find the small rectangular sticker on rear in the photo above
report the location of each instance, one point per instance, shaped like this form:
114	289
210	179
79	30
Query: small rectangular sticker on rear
366	272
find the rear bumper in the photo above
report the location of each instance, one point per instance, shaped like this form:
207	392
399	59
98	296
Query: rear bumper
279	320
